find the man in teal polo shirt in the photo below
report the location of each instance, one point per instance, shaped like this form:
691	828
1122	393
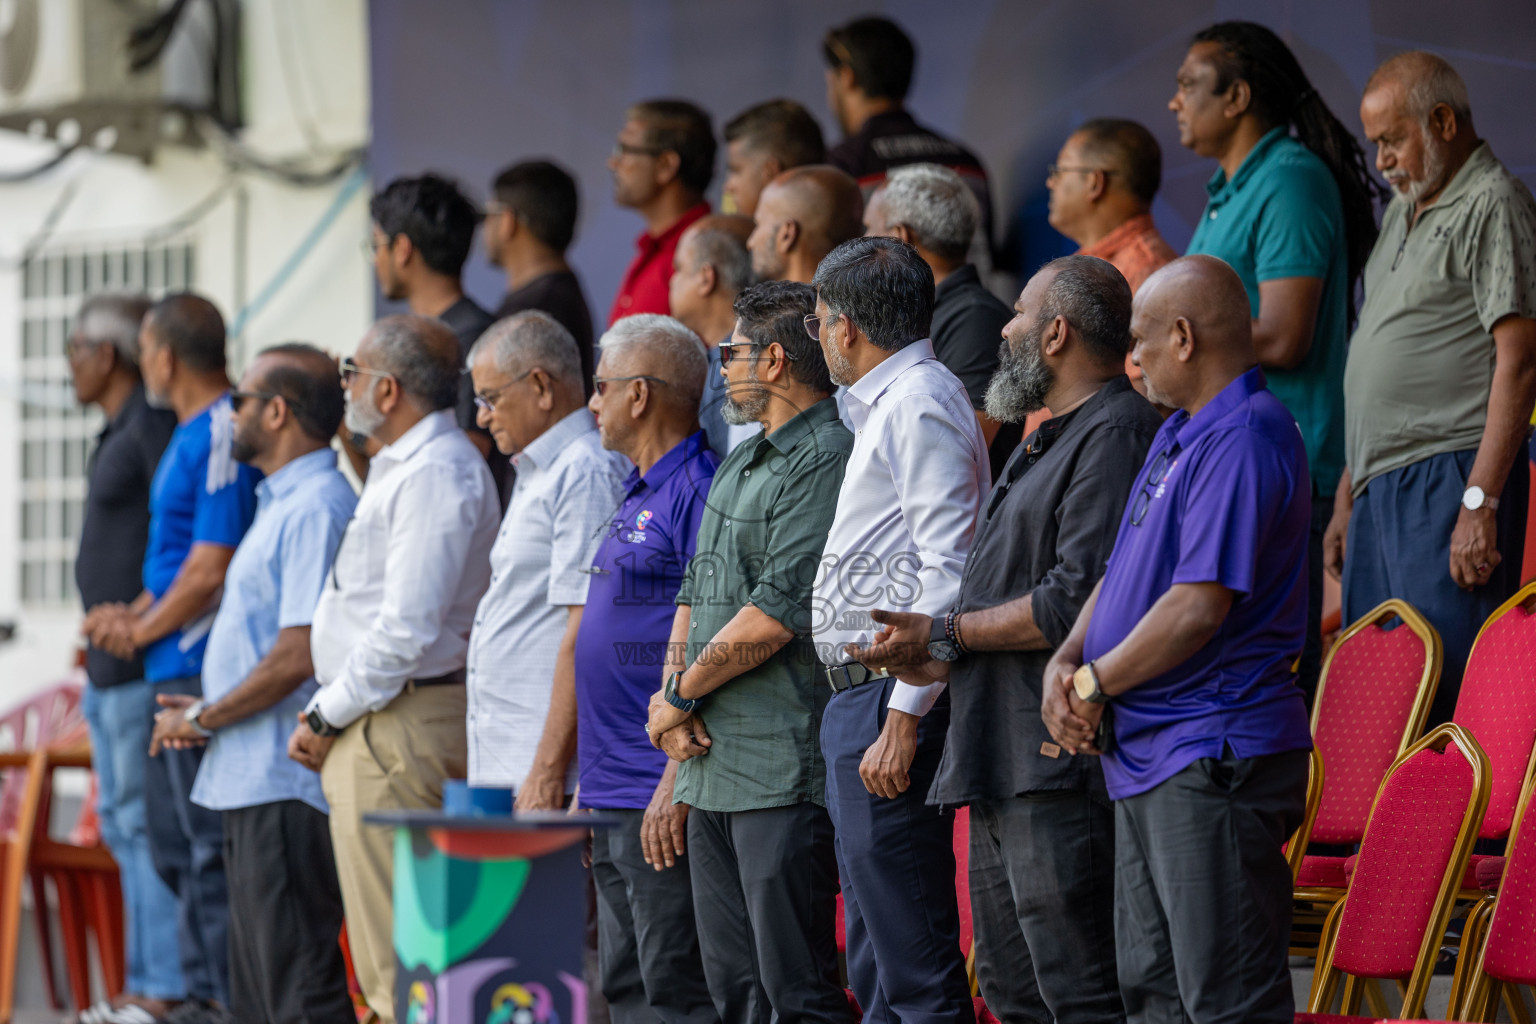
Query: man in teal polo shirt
1285	213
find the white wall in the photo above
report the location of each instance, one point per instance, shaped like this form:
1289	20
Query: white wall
306	80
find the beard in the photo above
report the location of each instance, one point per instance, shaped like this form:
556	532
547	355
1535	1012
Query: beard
1022	380
839	368
1434	171
241	449
746	402
363	417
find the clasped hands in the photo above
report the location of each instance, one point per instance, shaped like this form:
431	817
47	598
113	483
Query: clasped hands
109	627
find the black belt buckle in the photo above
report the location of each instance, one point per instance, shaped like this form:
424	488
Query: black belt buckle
850	675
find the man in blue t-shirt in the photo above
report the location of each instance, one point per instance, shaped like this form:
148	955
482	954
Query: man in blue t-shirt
1188	643
201	502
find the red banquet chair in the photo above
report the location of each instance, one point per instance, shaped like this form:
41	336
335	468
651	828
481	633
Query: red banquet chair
1373	697
1415	851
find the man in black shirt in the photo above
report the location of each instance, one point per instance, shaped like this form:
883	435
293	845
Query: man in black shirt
529	223
103	356
1042	828
869	69
930	208
422	230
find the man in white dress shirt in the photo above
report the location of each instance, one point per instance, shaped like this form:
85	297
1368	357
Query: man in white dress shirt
905	517
522	674
391	632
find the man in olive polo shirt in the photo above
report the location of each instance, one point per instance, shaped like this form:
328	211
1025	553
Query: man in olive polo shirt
1442	371
742	711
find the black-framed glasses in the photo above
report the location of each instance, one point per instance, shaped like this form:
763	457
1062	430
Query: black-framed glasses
600	384
728	351
487	400
238	398
1057	170
1143	501
623	149
350	369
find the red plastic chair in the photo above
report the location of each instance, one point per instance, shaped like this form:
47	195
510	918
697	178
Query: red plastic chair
1372	699
46	733
1415	851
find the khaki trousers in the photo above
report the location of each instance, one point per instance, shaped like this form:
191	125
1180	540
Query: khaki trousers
395	759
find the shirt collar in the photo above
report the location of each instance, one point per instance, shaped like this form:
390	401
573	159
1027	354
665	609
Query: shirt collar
287	479
685	450
131	407
416	438
546	448
886	121
648	243
866	391
1219	187
1054	427
1120	237
957	279
1187	429
803	423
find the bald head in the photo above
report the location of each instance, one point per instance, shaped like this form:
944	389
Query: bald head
1423	81
421	353
719	240
1192	328
802	215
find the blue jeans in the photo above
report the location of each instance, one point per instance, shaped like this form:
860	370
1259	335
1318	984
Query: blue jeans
120	718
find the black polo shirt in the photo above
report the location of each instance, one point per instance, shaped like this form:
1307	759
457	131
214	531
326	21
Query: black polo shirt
468	320
967	331
110	566
559	294
1047	528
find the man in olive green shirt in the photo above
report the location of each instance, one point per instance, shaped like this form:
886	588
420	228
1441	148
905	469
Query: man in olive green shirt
1441	373
741	708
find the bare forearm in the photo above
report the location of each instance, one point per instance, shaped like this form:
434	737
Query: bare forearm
558	743
283	670
748	640
1181	622
1287	322
190	595
1007	627
1509	405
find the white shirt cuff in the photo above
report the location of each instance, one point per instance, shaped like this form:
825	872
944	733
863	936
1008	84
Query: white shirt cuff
914	700
335	706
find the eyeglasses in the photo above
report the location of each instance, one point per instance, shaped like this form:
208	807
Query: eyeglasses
238	398
813	323
623	149
1143	501
371	247
728	351
600	384
350	369
487	400
1057	170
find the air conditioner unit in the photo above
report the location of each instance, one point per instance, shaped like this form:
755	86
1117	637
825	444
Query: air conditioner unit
69	61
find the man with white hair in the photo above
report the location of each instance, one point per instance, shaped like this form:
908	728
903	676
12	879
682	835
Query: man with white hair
932	209
650	379
522	650
1441	374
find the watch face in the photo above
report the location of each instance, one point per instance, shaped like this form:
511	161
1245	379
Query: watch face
942	650
1082	682
1473	498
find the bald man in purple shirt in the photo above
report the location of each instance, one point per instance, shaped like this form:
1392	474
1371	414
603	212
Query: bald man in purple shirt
1179	669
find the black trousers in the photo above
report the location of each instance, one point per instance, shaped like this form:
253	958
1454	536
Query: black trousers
186	843
1311	665
1042	874
1203	893
647	947
285	961
765	902
896	860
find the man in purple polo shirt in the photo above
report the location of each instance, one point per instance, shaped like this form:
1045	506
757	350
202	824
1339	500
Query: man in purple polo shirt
650	380
1203	614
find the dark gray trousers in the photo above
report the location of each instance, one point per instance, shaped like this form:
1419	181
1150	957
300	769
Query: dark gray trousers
647	950
765	899
1203	893
1042	874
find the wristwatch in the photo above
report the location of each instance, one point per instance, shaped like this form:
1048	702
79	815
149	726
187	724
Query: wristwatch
1475	498
319	726
190	716
940	646
1086	682
670	695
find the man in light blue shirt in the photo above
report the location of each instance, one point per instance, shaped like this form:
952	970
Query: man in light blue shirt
284	898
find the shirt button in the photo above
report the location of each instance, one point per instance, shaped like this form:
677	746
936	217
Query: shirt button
746	472
693	625
1213	214
727	524
711	572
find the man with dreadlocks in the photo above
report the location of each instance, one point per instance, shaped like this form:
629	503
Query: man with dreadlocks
1290	210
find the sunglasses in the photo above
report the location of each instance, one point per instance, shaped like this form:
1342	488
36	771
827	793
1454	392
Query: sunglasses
238	398
1155	478
600	384
728	351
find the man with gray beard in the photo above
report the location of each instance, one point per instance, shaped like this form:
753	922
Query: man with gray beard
1042	828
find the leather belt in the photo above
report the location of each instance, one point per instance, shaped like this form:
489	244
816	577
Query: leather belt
846	677
454	678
